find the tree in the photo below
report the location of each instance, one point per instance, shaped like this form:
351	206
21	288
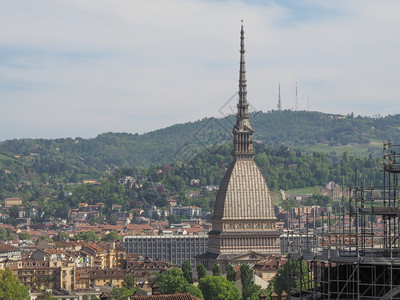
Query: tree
4	234
173	281
13	212
193	290
129	281
120	293
216	270
174	219
187	271
218	288
11	287
250	291
201	271
25	236
253	292
246	276
128	288
231	273
62	236
63	210
111	237
61	195
88	236
294	269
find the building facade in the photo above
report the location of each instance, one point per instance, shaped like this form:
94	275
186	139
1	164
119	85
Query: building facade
9	202
243	221
171	248
187	211
8	252
43	275
294	242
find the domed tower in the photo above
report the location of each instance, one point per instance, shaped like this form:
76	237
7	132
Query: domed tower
243	221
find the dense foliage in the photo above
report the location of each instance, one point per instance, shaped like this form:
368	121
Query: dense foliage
218	288
300	128
11	287
201	271
88	236
187	271
231	273
5	234
283	168
173	281
51	171
250	291
286	169
111	237
216	270
292	128
287	275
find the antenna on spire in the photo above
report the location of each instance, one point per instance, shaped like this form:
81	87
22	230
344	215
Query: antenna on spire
296	107
279	98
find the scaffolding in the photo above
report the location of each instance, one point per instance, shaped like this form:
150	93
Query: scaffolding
358	254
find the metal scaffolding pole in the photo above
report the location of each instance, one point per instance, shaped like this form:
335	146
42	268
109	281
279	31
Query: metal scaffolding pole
357	255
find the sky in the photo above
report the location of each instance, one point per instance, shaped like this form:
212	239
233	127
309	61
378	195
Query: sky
79	68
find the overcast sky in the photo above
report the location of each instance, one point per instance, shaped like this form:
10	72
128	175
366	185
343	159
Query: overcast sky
84	67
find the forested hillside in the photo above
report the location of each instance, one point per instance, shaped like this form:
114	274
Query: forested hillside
47	178
293	150
308	131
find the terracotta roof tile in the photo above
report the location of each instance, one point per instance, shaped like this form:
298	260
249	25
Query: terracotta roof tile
177	296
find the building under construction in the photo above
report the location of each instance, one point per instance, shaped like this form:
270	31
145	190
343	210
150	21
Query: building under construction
358	254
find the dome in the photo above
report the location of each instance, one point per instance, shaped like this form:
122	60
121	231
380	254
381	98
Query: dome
243	194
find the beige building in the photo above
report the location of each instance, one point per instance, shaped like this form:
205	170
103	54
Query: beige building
106	255
91	277
9	253
243	222
268	267
335	191
8	202
42	275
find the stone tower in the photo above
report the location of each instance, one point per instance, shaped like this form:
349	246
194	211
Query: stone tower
243	222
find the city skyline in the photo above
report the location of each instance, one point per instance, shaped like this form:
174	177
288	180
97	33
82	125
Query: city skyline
77	68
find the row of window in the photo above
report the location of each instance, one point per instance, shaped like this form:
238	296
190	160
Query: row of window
166	239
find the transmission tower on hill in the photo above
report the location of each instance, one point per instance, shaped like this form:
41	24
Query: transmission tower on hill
279	98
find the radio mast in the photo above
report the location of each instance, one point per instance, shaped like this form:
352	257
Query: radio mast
279	98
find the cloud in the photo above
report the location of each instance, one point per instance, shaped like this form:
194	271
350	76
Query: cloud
80	68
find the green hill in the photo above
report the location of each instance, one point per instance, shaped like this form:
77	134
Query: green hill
294	150
309	131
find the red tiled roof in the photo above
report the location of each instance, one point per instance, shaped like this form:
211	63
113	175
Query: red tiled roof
177	296
6	247
272	263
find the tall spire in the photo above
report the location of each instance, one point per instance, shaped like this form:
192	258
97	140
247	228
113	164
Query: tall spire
242	131
242	73
243	220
